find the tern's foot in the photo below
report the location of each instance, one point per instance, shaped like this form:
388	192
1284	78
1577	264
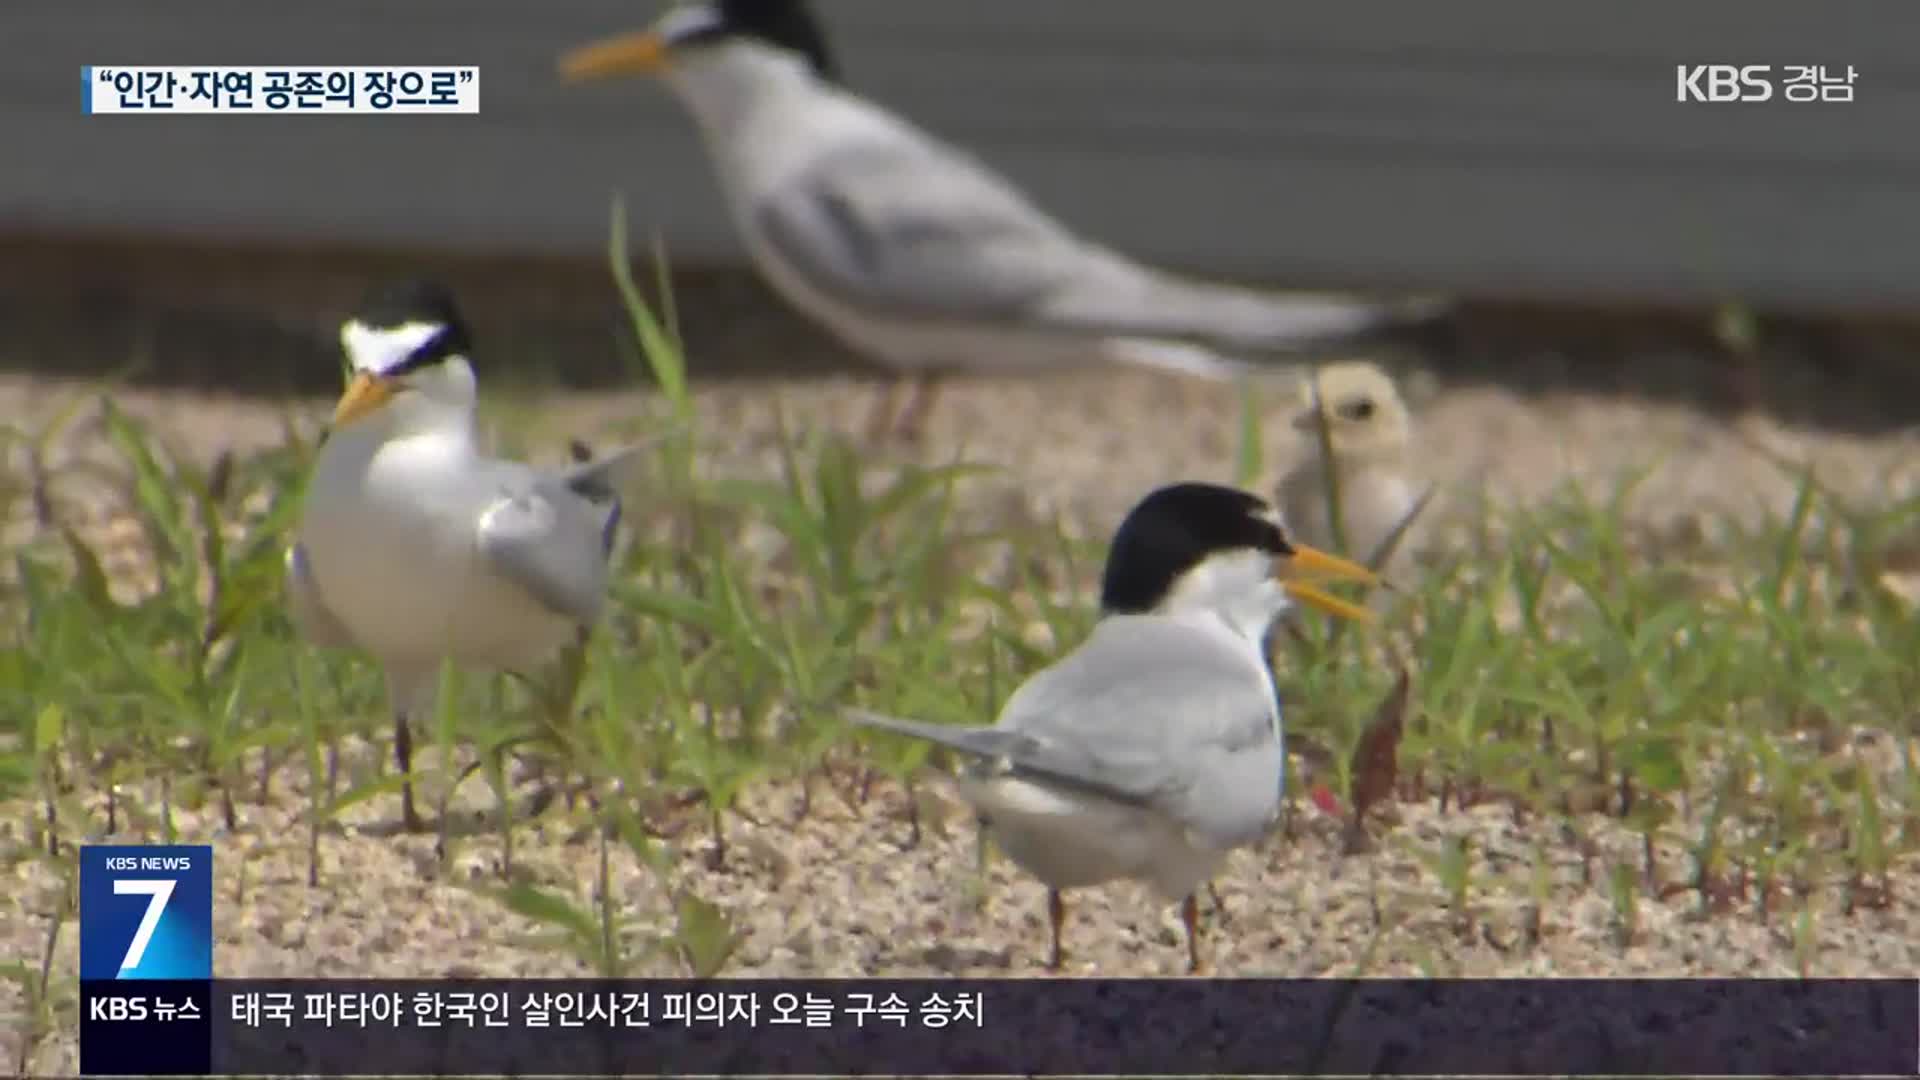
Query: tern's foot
880	422
1190	916
403	764
911	426
410	818
1056	918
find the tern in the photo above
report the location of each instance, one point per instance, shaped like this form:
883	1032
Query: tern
914	253
1154	749
416	546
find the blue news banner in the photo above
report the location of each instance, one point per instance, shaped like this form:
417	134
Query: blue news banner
150	1006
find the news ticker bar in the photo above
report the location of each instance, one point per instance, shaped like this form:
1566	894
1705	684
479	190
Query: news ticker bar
962	1027
288	91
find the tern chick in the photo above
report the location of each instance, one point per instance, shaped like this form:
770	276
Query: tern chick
1370	434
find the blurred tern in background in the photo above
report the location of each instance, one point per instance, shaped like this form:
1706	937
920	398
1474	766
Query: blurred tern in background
416	546
1150	752
1370	434
912	252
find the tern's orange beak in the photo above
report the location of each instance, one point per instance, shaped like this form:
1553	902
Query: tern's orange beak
364	394
642	53
1306	560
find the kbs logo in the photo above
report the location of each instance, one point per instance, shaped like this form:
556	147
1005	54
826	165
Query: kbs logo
146	912
117	1008
1724	82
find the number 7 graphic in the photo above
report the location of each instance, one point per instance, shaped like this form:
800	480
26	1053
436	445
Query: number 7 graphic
160	891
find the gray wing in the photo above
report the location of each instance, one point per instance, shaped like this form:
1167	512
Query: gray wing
1148	712
602	480
310	614
981	742
546	536
917	228
1153	709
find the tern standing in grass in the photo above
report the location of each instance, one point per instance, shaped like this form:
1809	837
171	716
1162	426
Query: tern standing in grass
1154	749
415	545
911	251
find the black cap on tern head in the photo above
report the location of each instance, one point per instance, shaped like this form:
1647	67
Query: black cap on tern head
1175	529
410	300
417	302
788	24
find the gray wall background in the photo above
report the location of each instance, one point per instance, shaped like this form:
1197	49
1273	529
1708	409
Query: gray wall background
1495	147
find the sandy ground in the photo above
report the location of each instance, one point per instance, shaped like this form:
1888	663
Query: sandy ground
841	892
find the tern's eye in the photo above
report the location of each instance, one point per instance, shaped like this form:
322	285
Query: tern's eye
414	362
1357	409
1272	539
